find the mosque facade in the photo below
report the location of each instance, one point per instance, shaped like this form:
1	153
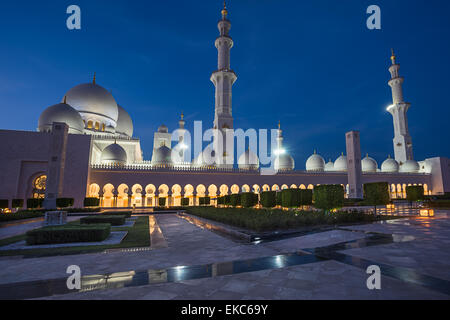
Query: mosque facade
85	146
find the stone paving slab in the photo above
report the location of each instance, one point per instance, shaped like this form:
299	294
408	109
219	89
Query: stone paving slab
323	280
115	237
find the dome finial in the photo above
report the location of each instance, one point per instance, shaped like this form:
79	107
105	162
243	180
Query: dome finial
393	57
224	11
182	115
95	75
279	124
315	151
65	99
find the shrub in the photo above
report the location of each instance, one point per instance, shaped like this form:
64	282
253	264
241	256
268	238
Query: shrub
327	197
415	193
279	198
34	203
204	201
268	199
235	199
306	197
185	202
249	199
227	200
162	202
114	220
290	198
17	203
22	214
64	202
68	233
4	203
91	202
376	194
220	200
127	214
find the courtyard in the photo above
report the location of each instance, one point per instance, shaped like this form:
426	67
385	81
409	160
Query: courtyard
186	261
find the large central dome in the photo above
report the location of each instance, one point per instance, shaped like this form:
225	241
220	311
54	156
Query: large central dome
94	103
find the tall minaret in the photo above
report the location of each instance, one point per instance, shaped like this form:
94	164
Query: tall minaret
402	140
279	139
223	78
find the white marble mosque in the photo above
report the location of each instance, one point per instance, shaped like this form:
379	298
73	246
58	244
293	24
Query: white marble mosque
84	147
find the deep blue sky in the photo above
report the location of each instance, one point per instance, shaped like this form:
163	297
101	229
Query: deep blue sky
312	64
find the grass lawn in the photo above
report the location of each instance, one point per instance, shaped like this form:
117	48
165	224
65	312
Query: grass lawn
138	236
270	220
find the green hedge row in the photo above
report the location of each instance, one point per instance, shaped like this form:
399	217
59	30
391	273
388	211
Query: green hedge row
415	193
327	197
64	202
113	220
34	203
249	199
91	202
269	199
204	201
294	198
184	202
162	202
68	233
127	214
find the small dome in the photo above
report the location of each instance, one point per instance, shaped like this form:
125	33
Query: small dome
163	129
114	154
248	160
341	163
93	102
329	166
315	163
162	156
284	162
410	166
205	158
124	123
61	112
369	165
389	165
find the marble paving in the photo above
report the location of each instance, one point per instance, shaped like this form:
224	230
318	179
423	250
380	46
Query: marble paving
422	246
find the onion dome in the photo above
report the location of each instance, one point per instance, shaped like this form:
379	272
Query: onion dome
341	163
205	158
284	162
368	164
61	112
163	129
114	154
248	160
124	123
315	163
389	165
410	166
329	166
162	156
94	103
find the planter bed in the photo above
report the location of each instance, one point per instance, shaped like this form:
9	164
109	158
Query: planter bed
114	220
68	233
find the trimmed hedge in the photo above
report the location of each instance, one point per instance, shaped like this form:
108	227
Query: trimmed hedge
113	220
415	193
17	203
204	201
279	198
162	202
249	199
4	203
34	203
227	200
68	233
64	202
327	197
235	200
91	202
293	198
185	202
276	219
269	199
127	214
376	194
221	200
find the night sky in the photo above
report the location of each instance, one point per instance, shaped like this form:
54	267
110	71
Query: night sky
311	64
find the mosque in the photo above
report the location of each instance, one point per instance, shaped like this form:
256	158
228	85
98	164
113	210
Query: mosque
85	146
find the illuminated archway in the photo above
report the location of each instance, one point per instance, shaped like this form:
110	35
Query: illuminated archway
234	189
122	197
94	190
266	187
275	187
245	188
108	195
223	190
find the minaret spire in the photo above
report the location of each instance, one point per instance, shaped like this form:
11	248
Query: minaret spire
93	80
402	140
223	79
